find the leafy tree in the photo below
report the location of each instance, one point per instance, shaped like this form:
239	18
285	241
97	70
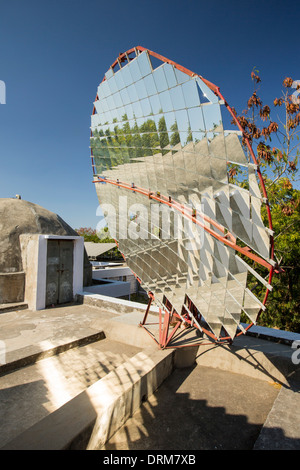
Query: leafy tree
277	148
91	235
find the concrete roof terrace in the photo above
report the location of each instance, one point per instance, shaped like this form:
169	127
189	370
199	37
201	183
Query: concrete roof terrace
86	376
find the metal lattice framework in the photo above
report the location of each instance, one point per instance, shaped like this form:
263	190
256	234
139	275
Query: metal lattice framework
159	147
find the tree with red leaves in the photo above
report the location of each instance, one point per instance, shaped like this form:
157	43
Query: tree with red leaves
276	142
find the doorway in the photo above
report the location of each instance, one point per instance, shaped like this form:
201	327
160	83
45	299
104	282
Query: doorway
59	275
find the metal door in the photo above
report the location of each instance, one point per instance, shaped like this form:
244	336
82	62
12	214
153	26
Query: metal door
59	280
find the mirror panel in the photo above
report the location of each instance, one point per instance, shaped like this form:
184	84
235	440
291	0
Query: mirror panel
144	64
160	79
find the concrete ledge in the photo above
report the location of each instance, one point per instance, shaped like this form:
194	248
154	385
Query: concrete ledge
281	429
31	354
272	334
13	307
113	304
254	357
93	416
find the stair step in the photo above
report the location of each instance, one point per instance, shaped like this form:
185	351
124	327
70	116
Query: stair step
27	356
31	393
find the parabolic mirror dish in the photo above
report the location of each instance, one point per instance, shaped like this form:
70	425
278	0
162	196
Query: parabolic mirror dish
161	157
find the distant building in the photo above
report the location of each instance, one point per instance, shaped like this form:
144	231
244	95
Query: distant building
111	278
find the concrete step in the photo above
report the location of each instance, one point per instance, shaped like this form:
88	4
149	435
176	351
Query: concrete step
30	393
48	357
28	336
22	357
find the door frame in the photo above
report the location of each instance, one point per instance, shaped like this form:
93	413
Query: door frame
41	268
61	271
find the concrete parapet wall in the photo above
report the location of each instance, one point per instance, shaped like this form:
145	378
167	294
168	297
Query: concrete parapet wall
114	305
12	286
110	288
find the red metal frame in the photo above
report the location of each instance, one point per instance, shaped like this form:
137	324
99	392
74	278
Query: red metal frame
164	322
228	239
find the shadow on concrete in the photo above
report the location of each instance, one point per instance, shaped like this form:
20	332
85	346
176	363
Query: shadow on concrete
278	440
201	408
17	413
198	409
263	359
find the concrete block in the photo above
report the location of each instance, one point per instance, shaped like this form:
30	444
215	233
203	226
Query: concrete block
185	357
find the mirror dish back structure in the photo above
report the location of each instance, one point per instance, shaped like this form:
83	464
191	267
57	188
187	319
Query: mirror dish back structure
161	157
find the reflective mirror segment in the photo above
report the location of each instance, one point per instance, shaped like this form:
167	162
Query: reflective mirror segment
163	167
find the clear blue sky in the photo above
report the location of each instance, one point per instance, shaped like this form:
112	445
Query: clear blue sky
53	54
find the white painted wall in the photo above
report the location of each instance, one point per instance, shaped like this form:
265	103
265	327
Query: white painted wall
117	273
34	256
110	289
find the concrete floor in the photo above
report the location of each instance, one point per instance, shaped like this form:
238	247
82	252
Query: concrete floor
199	408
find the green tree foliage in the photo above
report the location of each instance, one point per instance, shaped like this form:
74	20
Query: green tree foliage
283	308
91	235
277	147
